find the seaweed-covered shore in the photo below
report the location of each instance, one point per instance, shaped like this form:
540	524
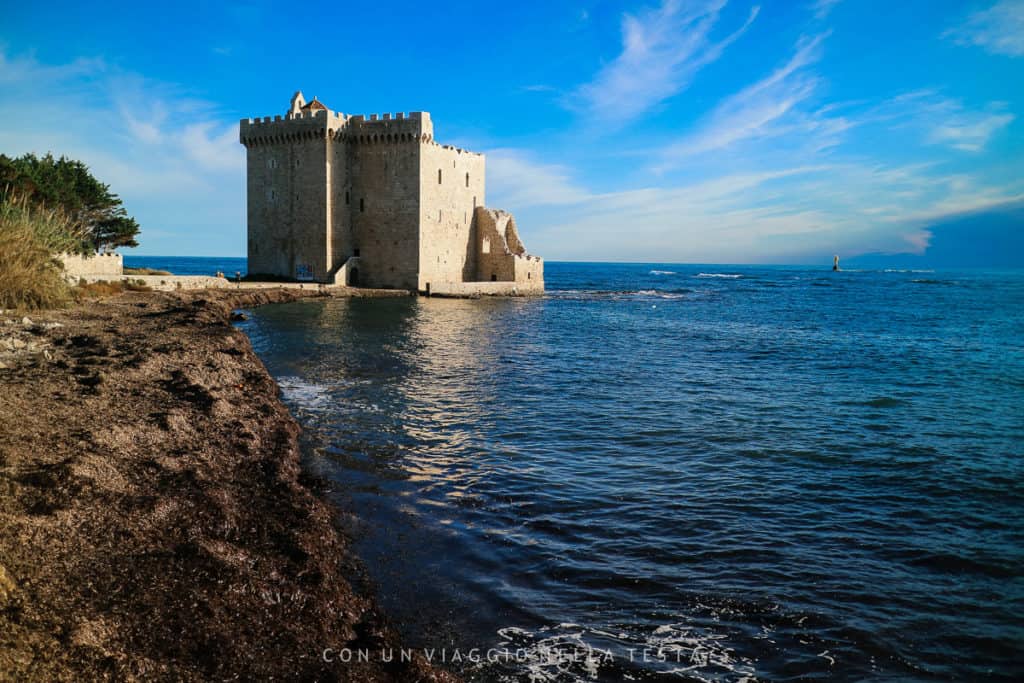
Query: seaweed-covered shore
154	519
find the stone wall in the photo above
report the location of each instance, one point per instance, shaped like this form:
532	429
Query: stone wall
384	207
478	289
452	184
76	265
338	195
287	189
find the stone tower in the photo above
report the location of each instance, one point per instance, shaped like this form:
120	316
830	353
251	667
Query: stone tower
375	202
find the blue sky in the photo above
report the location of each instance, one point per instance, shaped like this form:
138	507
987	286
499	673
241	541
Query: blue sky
700	131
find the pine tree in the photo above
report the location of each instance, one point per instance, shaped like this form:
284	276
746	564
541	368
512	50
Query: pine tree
68	185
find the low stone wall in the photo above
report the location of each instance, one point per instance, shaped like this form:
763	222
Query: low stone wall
164	283
173	283
76	265
474	289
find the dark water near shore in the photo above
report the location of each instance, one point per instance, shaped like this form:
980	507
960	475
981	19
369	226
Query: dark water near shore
750	473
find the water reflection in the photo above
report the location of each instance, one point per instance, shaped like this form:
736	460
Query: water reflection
660	463
413	430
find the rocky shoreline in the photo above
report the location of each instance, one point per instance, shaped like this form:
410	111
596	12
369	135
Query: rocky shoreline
154	520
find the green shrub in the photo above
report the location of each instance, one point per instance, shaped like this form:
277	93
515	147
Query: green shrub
145	271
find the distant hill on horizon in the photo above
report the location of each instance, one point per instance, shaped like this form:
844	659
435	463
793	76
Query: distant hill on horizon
993	239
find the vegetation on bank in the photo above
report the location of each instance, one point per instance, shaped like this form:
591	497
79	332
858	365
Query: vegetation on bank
105	288
50	206
31	276
100	220
145	271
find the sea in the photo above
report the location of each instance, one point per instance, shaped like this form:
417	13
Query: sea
661	472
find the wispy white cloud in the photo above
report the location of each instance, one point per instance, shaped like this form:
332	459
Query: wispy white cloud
998	29
172	158
844	207
213	146
662	50
760	109
942	120
969	131
785	108
26	69
822	8
526	182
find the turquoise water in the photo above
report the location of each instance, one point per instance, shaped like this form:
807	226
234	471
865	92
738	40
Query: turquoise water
761	473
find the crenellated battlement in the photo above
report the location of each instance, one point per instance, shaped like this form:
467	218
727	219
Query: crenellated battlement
457	150
399	116
397	127
318	115
303	125
300	125
359	129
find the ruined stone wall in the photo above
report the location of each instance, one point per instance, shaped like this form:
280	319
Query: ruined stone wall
502	257
452	183
528	274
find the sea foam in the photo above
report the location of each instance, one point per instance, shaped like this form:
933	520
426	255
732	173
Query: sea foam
305	395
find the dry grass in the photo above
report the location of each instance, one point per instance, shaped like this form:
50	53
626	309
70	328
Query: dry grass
96	290
30	236
103	288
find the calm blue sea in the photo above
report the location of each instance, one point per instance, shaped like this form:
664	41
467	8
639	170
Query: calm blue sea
665	472
189	265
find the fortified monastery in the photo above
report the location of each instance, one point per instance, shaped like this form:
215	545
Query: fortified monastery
376	202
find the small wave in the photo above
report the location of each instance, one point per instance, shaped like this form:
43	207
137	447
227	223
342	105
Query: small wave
661	295
577	653
702	650
305	395
731	276
663	272
593	295
927	281
907	270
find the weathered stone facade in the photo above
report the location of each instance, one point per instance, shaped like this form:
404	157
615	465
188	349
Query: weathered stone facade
77	265
375	202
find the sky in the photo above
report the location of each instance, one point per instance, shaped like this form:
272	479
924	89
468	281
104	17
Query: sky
703	131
